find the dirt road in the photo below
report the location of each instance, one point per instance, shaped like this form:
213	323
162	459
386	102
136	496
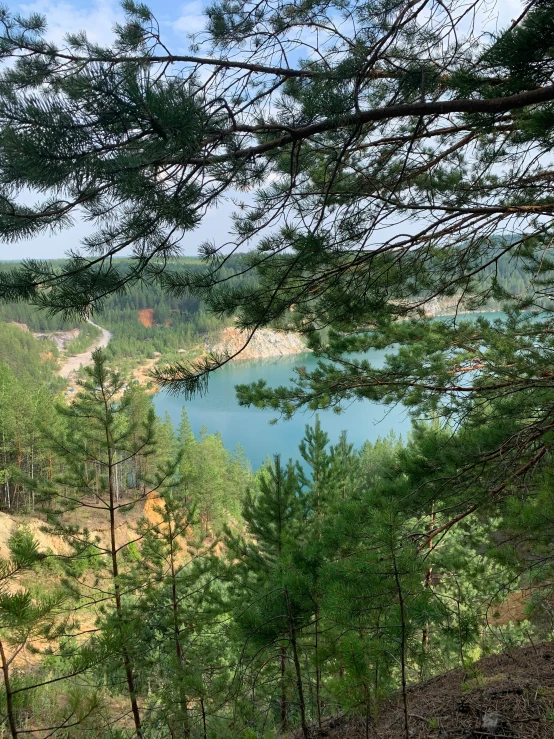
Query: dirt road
72	364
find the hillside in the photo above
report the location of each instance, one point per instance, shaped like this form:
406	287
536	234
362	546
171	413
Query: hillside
505	695
145	319
30	359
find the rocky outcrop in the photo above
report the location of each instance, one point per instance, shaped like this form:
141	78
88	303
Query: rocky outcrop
264	344
146	317
454	305
60	338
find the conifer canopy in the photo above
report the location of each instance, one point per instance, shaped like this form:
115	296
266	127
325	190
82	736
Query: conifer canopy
392	156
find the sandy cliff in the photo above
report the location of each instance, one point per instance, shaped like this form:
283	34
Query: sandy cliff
265	343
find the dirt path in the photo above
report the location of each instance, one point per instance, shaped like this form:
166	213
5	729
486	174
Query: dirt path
72	364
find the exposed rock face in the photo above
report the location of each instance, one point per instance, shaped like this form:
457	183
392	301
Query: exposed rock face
146	317
453	305
60	338
265	343
447	305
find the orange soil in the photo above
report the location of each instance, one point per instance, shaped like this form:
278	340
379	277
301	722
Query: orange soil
153	505
146	317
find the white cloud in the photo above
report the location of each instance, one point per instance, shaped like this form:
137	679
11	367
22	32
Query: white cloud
191	19
97	19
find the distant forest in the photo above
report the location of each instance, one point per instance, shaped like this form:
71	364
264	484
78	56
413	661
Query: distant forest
179	323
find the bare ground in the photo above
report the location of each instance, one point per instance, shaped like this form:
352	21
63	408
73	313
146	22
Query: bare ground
72	364
146	317
142	374
507	696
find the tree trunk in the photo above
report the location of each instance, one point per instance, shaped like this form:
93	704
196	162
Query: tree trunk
115	573
317	667
180	656
9	694
293	643
402	640
204	718
428	582
283	659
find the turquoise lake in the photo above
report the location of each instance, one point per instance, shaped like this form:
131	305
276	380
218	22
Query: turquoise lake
218	410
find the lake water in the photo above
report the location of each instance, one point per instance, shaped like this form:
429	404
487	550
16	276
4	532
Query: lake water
219	411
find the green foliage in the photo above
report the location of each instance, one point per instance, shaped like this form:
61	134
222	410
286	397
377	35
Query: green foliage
23	618
88	333
23	548
399	168
31	360
179	322
325	594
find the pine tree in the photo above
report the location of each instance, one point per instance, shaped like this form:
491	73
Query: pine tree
102	439
375	597
345	467
187	445
447	146
318	489
477	103
315	453
273	517
272	514
25	620
175	575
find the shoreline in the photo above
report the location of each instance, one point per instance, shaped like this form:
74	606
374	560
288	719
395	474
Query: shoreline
278	345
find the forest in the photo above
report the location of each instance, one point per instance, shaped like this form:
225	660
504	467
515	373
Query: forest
163	588
384	160
134	543
177	322
182	322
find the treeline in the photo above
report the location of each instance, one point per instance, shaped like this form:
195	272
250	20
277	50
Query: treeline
182	322
33	419
173	329
511	275
179	322
27	387
188	597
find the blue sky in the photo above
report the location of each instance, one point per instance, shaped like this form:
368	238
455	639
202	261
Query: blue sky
177	21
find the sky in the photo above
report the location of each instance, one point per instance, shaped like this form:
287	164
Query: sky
177	21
